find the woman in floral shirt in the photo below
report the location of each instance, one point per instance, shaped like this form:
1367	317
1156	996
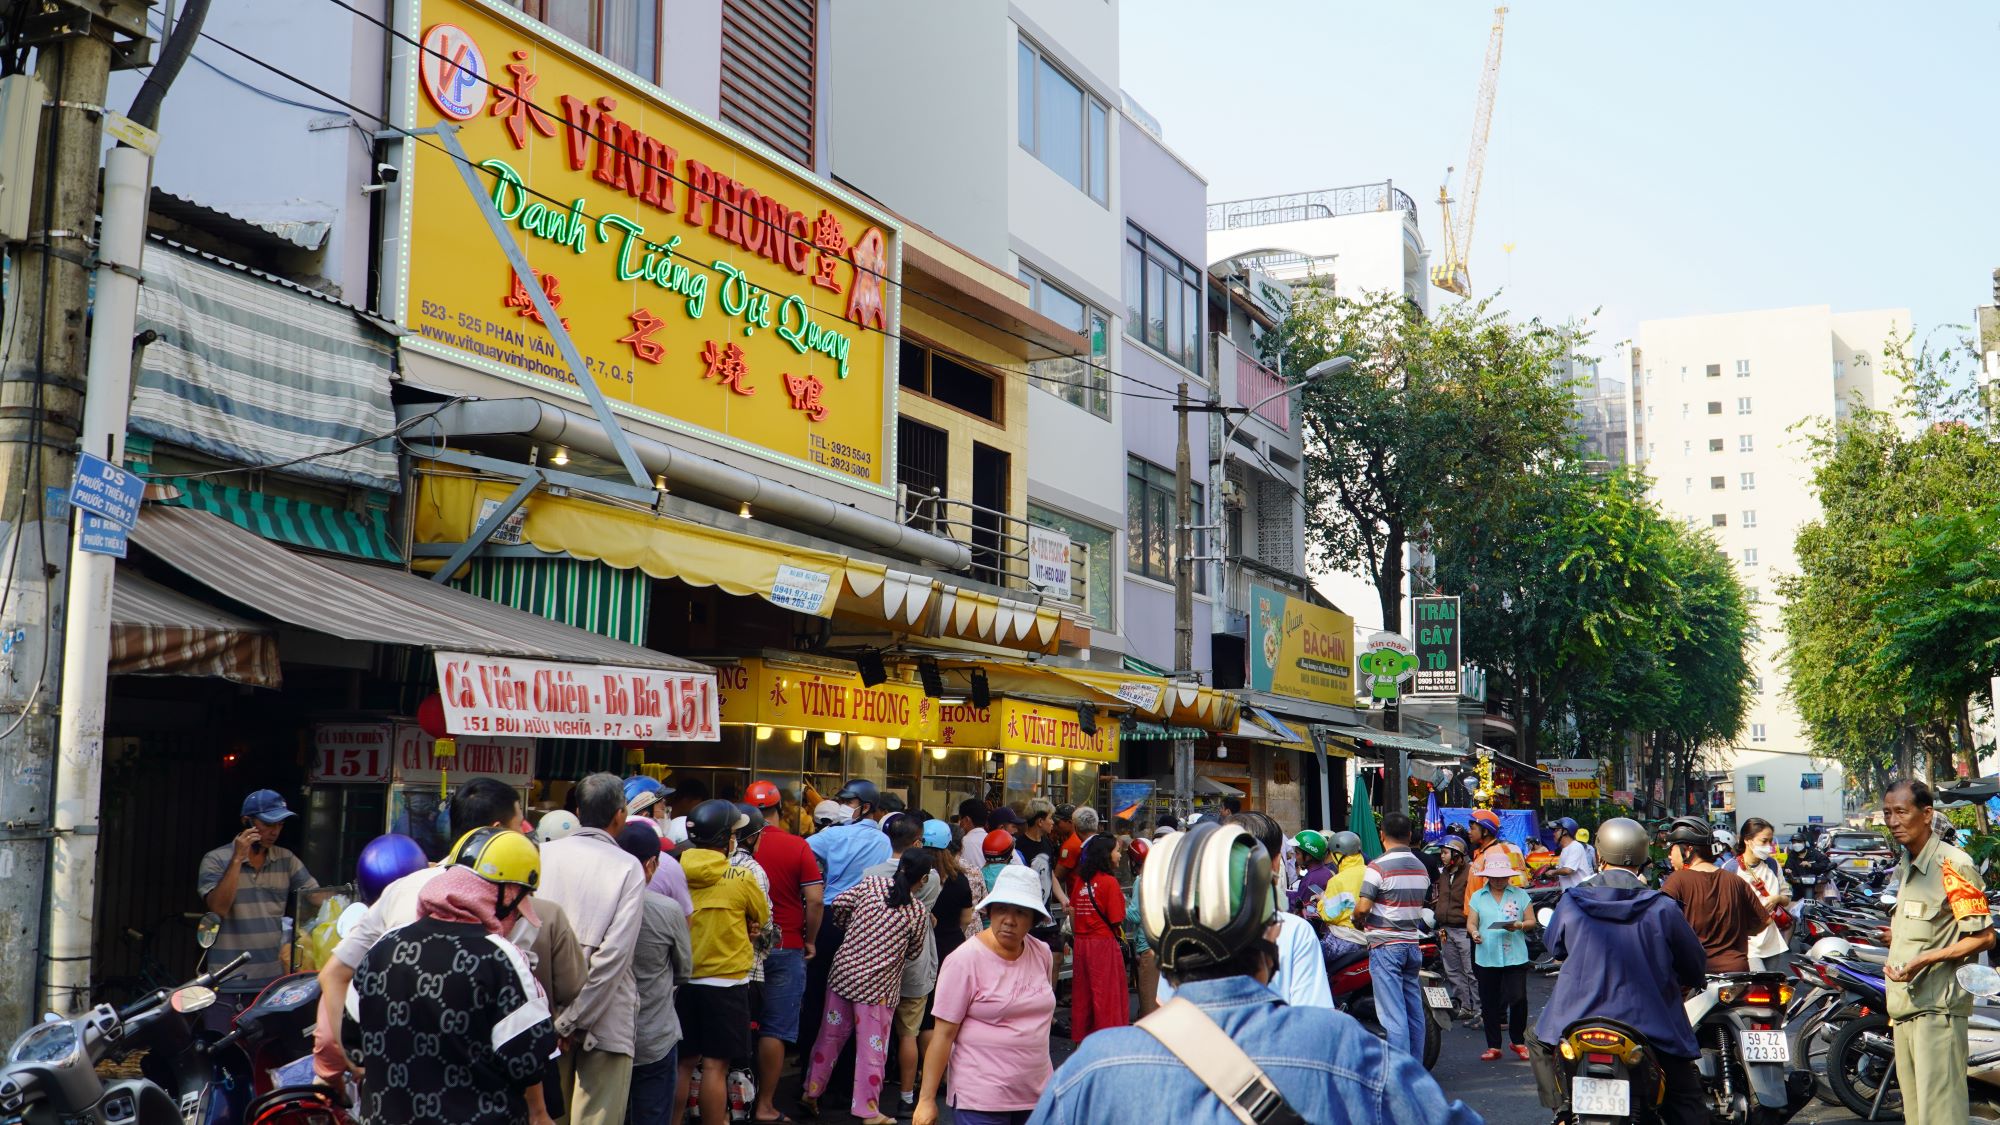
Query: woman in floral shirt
885	924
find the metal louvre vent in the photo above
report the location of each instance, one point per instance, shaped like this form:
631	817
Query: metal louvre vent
769	72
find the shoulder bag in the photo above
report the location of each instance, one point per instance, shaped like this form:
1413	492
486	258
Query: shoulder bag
1212	1056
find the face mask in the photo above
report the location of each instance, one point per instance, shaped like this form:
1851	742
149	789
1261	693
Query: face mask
1761	851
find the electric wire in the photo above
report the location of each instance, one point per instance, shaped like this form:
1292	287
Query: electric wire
1168	393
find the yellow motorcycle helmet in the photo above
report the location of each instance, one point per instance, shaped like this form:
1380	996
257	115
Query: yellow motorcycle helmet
499	855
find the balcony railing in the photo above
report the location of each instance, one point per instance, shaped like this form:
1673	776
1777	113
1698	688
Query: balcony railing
1299	207
999	543
1259	386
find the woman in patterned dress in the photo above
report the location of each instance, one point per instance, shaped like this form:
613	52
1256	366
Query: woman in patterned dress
885	924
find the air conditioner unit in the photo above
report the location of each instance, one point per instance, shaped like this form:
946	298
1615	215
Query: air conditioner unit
1232	495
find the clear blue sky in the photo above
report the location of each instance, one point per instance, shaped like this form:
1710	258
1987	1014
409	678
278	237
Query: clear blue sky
1652	159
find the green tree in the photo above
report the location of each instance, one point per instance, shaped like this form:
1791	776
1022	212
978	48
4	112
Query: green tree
1439	417
1940	615
1876	474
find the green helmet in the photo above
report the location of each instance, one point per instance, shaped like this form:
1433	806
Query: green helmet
1312	843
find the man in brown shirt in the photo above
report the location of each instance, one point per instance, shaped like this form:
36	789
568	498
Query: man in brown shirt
1721	907
1454	943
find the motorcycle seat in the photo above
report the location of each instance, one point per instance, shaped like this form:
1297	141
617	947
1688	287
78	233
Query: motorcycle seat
1983	1022
1342	960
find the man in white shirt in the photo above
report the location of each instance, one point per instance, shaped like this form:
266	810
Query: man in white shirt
1575	863
1301	977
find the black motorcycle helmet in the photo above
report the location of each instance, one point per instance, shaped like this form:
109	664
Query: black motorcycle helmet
711	822
746	836
862	790
1692	832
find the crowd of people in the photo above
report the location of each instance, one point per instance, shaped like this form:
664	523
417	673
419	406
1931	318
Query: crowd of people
656	957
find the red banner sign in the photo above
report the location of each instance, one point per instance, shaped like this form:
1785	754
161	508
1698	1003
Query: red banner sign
498	695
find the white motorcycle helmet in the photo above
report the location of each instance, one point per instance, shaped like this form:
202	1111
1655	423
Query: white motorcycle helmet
1831	949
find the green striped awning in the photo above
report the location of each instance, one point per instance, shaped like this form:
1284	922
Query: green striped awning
300	523
585	593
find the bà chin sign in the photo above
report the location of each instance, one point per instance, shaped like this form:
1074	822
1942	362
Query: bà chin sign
501	695
710	288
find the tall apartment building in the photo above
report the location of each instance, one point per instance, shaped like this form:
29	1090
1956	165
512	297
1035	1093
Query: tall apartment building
1717	414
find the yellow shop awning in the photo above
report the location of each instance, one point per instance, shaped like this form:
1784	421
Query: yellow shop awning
448	508
822	696
1024	726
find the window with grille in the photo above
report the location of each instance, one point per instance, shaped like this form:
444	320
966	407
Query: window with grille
770	70
1274	525
923	466
1716	482
1715	371
1719	519
1715	445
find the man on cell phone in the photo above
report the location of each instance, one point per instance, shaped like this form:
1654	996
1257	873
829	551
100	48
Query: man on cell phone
249	881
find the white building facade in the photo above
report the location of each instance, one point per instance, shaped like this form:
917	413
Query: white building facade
1720	409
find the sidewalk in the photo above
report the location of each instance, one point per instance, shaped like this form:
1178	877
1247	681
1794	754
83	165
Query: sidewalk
835	1113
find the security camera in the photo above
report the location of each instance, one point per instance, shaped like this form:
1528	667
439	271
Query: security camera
385	174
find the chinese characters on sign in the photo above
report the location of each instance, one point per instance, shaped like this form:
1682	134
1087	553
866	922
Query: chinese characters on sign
665	234
1048	560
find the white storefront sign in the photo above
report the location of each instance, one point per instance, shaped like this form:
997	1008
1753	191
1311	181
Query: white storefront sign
511	760
1574	778
350	753
500	695
1048	560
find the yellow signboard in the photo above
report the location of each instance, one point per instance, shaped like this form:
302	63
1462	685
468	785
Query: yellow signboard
1300	649
1020	727
712	288
754	691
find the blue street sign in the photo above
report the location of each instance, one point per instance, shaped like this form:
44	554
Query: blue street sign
99	536
107	490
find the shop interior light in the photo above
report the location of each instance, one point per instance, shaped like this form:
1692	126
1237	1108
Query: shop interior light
981	696
938	753
560	456
763	733
864	742
895	743
1013	759
1057	765
797	735
744	511
832	737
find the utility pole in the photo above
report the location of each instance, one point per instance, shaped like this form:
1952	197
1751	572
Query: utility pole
87	642
41	384
1183	595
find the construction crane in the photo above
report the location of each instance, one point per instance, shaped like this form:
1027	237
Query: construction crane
1453	276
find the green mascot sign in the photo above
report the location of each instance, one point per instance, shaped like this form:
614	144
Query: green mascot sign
1387	660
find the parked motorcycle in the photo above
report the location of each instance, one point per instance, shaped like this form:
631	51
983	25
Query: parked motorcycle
1354	993
1838	981
1861	1060
51	1074
274	1035
1746	1060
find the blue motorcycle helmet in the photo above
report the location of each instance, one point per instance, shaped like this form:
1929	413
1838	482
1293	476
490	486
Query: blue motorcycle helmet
384	860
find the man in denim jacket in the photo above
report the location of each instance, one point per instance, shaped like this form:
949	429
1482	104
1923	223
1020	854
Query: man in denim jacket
1328	1068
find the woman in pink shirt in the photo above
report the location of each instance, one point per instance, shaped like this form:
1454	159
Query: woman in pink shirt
993	1009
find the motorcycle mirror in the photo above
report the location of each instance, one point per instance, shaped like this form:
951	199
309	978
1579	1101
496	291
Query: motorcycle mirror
1430	919
1980	980
206	930
191	999
1544	916
350	918
1887	898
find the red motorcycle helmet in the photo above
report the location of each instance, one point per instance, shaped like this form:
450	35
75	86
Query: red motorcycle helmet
997	843
1139	850
762	794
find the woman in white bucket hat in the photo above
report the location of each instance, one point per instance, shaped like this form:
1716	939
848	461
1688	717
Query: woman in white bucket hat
993	1008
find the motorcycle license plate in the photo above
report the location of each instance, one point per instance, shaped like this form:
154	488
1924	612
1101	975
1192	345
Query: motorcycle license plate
1437	997
1607	1096
1766	1047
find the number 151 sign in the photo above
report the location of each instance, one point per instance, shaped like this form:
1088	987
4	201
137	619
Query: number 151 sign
351	753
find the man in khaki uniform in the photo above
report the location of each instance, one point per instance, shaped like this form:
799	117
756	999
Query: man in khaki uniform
1940	922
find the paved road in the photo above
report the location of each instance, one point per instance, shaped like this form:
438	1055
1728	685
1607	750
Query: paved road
1504	1092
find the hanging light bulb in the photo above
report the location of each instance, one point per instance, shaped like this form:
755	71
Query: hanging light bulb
744	511
864	743
832	737
763	733
797	735
1057	765
938	753
895	743
560	456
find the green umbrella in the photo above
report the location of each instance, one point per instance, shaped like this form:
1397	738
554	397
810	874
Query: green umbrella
1361	821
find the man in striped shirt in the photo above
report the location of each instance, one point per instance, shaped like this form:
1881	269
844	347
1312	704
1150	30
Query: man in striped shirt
249	881
1390	911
